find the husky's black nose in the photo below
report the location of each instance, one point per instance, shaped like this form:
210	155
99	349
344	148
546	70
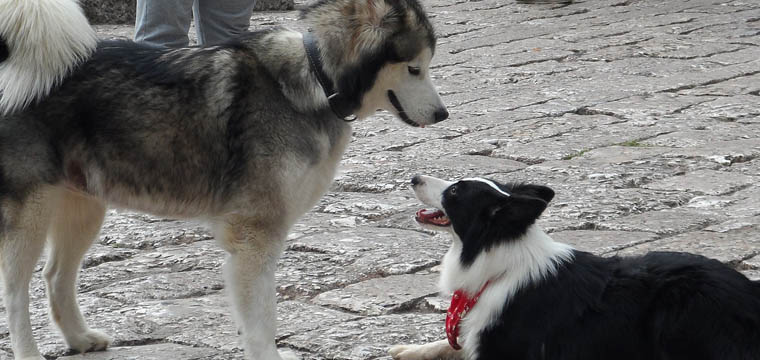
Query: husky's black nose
441	114
416	180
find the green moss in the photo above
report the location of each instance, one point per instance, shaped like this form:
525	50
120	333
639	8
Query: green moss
633	143
571	156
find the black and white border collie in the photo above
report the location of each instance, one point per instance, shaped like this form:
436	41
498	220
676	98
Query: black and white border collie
540	299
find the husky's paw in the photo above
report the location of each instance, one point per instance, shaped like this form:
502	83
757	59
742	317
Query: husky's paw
286	354
90	340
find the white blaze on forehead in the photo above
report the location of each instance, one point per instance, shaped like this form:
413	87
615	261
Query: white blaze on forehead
489	183
430	191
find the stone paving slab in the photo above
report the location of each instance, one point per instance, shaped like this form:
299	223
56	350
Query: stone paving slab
665	222
704	182
752	274
382	295
731	247
743	203
643	115
148	352
603	242
369	337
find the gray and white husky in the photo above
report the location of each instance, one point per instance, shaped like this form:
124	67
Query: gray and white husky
246	135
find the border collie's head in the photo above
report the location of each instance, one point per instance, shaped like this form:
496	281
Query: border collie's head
479	212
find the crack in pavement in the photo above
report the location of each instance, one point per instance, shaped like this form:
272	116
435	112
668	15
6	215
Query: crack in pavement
710	82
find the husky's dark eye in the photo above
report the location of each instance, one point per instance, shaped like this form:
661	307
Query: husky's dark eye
453	190
414	70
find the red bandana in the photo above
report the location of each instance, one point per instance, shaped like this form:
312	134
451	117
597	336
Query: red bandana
460	305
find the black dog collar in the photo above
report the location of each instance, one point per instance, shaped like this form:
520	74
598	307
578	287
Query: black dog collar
338	106
4	52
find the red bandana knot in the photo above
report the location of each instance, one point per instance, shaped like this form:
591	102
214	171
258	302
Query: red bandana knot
460	306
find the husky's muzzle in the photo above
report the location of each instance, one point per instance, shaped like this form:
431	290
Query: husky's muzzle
439	115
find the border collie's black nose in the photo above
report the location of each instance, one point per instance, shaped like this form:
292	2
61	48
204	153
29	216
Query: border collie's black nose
416	180
441	114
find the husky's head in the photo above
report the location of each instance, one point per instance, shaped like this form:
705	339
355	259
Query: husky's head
480	213
378	54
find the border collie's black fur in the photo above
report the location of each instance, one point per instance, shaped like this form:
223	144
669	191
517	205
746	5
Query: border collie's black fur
659	306
662	305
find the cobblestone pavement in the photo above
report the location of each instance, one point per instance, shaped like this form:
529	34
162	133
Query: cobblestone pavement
643	115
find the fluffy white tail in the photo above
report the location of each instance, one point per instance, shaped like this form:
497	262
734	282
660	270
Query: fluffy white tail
45	40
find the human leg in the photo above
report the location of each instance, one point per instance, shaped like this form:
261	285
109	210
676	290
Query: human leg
217	21
163	22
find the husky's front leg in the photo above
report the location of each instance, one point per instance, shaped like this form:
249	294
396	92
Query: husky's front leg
22	238
249	275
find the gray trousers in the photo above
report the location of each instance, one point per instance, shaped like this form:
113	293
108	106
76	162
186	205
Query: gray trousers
166	22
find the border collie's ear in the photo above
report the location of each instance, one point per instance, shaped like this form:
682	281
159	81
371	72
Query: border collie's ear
544	193
520	208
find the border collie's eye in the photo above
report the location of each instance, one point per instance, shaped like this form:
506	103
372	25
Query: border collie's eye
414	70
453	190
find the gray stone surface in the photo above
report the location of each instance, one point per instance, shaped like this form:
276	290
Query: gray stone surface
382	295
369	337
730	247
710	182
752	274
602	242
149	352
643	115
109	11
665	222
262	5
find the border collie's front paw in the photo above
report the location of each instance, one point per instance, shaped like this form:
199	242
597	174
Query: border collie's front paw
432	351
396	350
406	352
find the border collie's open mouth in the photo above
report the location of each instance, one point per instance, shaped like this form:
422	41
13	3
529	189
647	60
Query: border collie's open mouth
401	113
432	217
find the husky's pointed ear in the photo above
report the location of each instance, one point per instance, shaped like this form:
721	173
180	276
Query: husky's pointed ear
375	12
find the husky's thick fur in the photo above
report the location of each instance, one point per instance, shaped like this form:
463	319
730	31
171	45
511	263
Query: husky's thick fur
239	134
544	300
